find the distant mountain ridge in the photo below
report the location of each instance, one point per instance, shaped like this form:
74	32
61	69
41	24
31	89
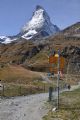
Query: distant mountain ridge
73	30
39	25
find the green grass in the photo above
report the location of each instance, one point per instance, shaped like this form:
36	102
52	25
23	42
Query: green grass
12	89
69	107
19	90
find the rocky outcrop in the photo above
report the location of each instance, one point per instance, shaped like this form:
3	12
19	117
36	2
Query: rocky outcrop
72	54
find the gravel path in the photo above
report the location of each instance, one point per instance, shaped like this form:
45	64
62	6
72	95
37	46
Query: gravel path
26	107
23	108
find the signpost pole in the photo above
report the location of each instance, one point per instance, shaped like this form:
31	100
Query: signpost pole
58	60
58	78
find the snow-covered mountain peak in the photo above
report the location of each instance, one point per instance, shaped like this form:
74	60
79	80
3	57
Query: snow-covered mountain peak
39	7
40	11
40	22
37	20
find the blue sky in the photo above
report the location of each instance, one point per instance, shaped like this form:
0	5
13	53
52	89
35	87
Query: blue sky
15	13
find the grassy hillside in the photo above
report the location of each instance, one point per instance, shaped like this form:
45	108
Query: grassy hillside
19	81
17	74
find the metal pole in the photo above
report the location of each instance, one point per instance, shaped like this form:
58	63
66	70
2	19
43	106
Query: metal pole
58	77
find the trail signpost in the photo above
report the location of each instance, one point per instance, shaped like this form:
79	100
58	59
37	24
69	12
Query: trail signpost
56	63
53	63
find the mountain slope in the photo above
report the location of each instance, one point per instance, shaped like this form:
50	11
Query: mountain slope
34	55
73	30
7	39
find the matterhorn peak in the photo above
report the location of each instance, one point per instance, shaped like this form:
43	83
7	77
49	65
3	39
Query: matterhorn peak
39	7
39	24
40	11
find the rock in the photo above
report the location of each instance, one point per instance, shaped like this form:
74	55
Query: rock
54	109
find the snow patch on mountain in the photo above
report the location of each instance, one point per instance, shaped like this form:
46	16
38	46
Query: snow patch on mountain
3	37
6	40
29	34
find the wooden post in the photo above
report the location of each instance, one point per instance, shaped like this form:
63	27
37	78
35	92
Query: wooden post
44	87
20	90
58	78
3	91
